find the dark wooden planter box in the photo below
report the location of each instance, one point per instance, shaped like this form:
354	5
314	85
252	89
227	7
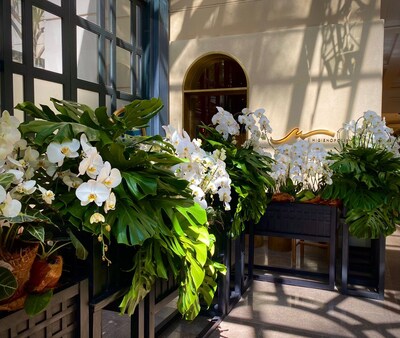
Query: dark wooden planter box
66	316
360	269
300	221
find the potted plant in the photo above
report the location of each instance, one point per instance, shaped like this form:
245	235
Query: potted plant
120	188
366	176
26	220
249	166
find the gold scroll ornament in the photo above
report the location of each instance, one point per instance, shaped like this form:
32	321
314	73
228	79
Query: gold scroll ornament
297	133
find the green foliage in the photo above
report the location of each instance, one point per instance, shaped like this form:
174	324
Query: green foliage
36	303
154	212
8	283
183	249
249	172
367	180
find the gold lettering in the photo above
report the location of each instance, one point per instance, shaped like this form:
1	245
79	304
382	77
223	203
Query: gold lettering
297	133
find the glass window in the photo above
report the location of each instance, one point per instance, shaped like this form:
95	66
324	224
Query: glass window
16	31
44	90
47	43
123	70
18	92
89	98
124	19
56	2
88	9
87	55
99	68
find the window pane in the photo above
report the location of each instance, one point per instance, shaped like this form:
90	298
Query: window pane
47	47
44	90
89	98
124	19
56	2
18	97
123	70
86	50
87	9
16	30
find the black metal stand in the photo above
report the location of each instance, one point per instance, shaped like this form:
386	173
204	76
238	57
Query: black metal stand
362	269
301	221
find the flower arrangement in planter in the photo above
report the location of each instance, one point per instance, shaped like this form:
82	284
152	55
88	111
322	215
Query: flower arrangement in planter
120	188
247	165
301	172
366	176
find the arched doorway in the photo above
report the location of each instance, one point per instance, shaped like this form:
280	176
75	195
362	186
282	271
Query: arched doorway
213	80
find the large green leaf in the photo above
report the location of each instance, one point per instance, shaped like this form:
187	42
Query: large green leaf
8	283
36	303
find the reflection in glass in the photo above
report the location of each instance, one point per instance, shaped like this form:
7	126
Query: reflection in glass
47	47
123	70
123	19
89	98
16	30
18	95
86	54
88	9
46	89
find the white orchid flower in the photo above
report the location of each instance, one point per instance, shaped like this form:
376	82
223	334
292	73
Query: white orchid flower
18	175
109	177
92	191
92	164
11	207
26	188
3	194
47	195
97	218
110	203
71	180
56	152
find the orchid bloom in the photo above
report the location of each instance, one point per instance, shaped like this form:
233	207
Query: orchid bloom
92	191
110	202
109	177
56	152
97	218
3	194
47	195
71	180
26	188
92	162
11	207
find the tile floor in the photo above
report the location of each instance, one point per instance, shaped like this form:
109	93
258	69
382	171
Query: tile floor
276	310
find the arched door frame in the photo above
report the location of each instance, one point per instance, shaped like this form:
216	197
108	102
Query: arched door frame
198	66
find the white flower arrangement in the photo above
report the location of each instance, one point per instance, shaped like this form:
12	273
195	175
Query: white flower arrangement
27	177
205	171
256	124
369	131
304	163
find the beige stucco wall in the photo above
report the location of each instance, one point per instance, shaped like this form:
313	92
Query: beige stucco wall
315	74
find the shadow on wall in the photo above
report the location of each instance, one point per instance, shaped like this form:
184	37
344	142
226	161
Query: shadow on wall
341	52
